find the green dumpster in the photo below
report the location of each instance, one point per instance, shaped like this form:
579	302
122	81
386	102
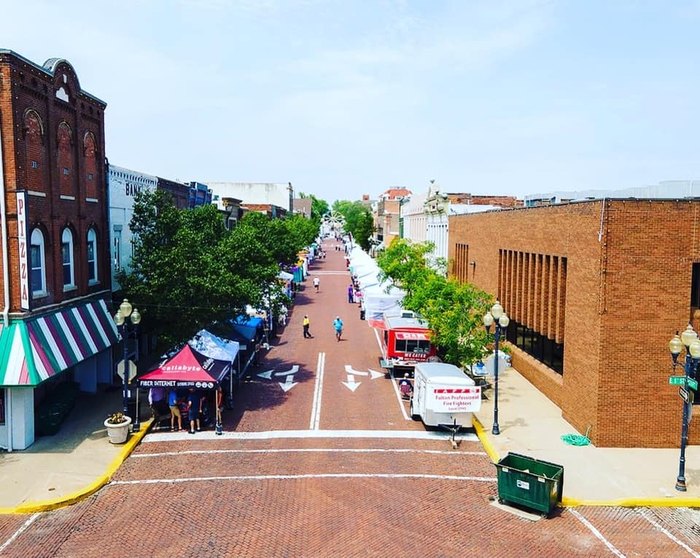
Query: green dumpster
530	482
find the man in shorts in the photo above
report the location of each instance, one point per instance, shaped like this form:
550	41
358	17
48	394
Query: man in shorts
173	403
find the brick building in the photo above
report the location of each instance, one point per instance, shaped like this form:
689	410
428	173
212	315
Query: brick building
387	214
595	290
54	240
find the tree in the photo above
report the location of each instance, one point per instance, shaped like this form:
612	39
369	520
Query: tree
454	310
358	221
188	271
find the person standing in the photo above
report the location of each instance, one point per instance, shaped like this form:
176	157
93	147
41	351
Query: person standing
219	410
317	282
174	404
194	406
351	293
338	326
306	323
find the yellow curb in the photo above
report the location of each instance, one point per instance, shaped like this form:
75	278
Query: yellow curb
484	439
568	502
48	505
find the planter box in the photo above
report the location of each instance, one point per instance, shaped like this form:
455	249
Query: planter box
118	433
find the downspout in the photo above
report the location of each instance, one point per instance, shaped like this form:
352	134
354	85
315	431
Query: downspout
5	254
5	282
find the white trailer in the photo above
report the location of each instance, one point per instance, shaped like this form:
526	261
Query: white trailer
444	396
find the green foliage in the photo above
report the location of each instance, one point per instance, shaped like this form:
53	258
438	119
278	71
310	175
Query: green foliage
188	271
358	220
454	310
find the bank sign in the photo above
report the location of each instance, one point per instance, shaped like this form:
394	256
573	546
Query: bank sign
454	399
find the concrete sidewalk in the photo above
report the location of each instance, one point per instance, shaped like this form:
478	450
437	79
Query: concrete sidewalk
530	424
75	462
61	469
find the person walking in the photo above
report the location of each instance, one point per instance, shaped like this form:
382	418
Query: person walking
306	324
338	326
317	282
351	293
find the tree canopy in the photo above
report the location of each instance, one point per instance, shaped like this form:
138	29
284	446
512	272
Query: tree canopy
188	271
453	310
358	220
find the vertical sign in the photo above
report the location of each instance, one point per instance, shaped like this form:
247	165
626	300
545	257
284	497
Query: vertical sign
22	238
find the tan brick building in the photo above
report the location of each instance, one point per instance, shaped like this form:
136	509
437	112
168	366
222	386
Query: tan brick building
595	290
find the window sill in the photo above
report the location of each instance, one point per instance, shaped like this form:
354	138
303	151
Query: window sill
68	288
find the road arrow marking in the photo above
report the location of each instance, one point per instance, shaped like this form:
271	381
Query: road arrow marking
376	374
293	370
351	384
349	369
267	375
288	384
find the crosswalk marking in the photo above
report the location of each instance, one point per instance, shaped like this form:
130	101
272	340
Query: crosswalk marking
309	450
287	434
308	476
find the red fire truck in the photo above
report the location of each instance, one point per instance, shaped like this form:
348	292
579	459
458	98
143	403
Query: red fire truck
406	341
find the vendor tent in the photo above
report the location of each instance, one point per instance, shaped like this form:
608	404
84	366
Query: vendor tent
210	345
188	368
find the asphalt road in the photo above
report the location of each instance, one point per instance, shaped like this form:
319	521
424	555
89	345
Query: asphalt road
320	459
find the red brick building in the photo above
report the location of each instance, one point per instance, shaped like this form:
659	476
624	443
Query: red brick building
54	242
595	290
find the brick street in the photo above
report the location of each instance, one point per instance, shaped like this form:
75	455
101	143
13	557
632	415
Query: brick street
301	486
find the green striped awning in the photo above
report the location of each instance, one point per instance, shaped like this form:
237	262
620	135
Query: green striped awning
36	349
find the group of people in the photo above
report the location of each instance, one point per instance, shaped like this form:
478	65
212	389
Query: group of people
337	327
193	405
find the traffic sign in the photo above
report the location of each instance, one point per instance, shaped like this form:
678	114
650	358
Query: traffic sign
683	393
132	370
693	383
676	380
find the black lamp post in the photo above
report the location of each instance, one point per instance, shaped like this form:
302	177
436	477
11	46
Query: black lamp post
689	339
122	318
500	320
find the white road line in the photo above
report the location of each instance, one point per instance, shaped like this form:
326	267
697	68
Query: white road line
379	342
19	531
287	434
658	526
396	389
307	476
318	388
307	450
597	533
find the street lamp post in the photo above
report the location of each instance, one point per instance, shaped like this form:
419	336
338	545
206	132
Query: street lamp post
497	317
122	318
689	339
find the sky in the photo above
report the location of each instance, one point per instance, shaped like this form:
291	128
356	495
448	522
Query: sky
350	97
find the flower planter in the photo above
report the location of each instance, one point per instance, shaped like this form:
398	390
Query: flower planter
118	433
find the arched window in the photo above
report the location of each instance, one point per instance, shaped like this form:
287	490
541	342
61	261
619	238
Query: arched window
92	256
68	261
38	263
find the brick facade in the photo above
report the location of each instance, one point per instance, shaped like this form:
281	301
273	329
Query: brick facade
610	280
53	149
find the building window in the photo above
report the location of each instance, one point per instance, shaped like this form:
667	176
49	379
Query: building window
37	256
92	256
35	164
532	287
90	176
117	250
67	255
66	172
